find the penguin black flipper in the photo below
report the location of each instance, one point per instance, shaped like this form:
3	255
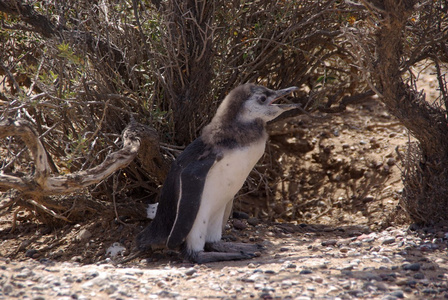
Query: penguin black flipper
181	191
192	182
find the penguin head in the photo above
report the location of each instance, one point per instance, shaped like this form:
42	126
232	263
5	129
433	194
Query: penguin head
260	105
249	102
242	116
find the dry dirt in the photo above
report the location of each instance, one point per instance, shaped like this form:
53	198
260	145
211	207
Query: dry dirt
337	234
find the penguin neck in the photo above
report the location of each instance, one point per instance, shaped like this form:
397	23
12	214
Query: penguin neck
234	134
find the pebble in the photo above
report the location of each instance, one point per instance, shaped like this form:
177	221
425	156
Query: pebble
329	243
238	224
253	221
419	276
391	161
371	265
388	240
411	267
83	235
190	271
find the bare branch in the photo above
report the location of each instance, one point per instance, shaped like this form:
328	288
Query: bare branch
28	134
42	184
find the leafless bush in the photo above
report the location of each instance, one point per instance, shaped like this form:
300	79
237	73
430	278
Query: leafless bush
390	42
78	71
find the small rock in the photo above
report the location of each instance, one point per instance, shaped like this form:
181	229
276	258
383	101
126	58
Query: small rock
25	273
411	267
24	244
238	224
419	276
91	274
265	296
390	161
161	284
381	286
7	289
329	243
286	284
110	289
253	221
428	247
388	276
355	293
401	282
76	258
389	297
83	235
306	271
347	268
429	291
31	253
318	279
388	240
412	283
254	278
368	198
190	271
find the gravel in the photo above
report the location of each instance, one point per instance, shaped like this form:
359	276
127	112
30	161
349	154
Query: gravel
378	265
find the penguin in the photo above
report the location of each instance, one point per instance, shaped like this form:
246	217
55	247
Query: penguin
197	196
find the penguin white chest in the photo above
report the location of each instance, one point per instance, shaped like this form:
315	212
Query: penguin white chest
227	176
224	180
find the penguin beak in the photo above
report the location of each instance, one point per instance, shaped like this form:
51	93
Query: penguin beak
280	94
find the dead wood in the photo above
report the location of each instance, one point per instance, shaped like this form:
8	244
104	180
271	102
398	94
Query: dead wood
35	187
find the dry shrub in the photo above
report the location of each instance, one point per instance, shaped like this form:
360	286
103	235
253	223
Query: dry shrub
85	68
396	37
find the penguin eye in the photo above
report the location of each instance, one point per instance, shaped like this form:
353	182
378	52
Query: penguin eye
262	99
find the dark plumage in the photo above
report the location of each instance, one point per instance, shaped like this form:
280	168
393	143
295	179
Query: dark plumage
197	196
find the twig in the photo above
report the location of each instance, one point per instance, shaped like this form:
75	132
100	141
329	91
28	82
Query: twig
47	210
11	77
114	192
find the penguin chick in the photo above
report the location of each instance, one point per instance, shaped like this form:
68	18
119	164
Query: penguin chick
197	196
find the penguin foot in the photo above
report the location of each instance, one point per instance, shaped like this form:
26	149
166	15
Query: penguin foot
203	257
232	247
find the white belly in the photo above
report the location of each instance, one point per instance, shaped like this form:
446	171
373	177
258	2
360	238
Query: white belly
224	180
